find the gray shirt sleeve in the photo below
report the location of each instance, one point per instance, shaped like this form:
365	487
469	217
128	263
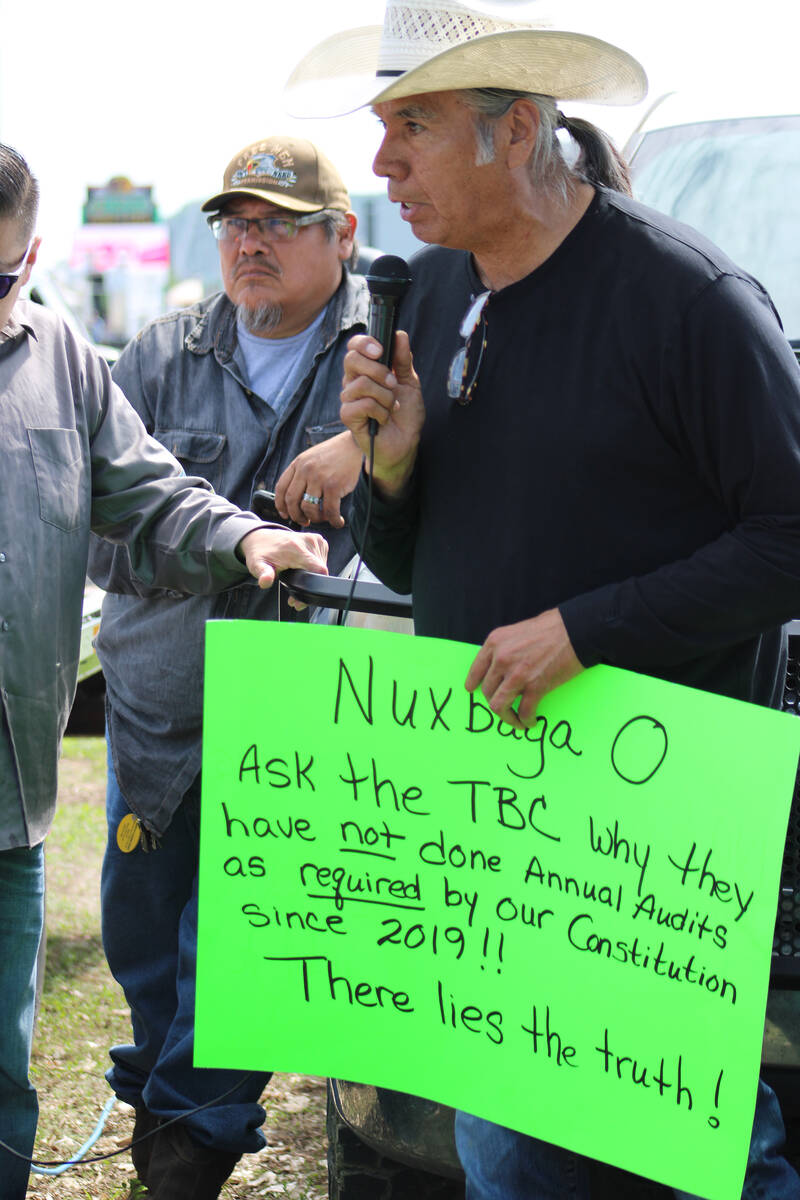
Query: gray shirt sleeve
177	531
154	526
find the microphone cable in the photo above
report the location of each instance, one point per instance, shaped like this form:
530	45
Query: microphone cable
367	518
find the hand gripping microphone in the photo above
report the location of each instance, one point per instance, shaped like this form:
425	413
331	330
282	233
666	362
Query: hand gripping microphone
387	280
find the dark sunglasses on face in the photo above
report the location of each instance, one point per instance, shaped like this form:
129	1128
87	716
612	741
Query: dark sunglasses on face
7	281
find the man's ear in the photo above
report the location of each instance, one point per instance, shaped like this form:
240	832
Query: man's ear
30	260
521	126
346	238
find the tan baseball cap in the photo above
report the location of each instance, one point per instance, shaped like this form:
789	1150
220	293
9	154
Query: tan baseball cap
289	172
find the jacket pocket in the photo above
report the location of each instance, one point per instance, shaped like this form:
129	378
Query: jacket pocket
320	433
197	450
57	462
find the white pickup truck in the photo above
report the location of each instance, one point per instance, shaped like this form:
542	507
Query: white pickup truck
90	623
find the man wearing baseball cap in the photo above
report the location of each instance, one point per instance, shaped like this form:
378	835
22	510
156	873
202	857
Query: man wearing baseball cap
244	390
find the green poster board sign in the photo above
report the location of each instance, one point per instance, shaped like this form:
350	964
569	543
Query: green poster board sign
567	932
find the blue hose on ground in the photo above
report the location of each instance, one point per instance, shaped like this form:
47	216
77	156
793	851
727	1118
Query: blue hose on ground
96	1132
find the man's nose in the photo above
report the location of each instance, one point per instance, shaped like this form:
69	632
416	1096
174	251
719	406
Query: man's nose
385	164
252	242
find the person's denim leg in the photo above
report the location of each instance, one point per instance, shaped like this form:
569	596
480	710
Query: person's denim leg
142	898
501	1164
21	920
149	919
768	1176
232	1125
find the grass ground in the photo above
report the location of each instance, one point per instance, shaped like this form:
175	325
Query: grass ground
83	1012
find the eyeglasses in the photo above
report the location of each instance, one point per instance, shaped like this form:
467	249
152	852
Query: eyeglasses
7	281
463	373
270	229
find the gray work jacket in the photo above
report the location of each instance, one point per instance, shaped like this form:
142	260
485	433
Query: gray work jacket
75	455
182	373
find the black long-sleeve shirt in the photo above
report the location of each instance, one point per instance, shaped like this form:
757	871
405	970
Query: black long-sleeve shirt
631	454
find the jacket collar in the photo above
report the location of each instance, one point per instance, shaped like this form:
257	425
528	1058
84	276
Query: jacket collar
20	321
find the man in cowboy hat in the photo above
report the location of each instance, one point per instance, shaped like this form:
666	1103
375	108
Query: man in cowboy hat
244	389
586	387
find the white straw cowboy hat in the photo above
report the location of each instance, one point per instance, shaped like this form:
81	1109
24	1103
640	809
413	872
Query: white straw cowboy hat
442	45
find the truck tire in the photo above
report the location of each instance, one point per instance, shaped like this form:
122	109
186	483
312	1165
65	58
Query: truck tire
357	1172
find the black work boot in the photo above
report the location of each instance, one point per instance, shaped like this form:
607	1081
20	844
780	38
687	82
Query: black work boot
145	1123
182	1169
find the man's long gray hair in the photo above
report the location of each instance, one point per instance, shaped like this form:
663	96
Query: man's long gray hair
598	161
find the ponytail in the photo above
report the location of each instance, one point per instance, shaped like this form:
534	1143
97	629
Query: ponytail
599	162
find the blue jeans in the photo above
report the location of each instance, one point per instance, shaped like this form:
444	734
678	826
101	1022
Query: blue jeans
501	1164
21	919
149	920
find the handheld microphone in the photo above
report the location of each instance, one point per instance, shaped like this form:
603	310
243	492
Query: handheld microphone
387	280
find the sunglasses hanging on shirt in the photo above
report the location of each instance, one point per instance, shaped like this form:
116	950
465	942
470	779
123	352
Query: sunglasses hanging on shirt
463	373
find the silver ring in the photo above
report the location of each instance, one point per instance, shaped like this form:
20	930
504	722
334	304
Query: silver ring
308	499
